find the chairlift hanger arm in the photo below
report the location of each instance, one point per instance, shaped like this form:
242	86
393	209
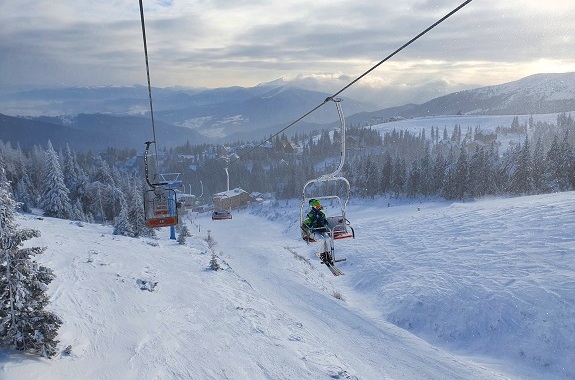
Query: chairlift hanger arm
146	171
337	102
323	179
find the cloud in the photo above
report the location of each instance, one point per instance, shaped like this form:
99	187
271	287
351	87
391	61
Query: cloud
199	43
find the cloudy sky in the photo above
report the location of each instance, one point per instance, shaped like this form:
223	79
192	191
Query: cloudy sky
220	43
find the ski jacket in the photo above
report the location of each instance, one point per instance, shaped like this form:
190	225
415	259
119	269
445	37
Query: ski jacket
316	219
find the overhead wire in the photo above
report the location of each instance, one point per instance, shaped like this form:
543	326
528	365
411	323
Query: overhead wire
149	91
331	98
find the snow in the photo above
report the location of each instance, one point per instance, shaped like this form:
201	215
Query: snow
545	87
432	290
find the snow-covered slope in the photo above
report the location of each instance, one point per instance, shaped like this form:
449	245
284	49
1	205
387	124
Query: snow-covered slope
535	94
543	86
432	290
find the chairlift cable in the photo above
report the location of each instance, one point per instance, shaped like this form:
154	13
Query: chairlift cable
149	91
402	47
331	98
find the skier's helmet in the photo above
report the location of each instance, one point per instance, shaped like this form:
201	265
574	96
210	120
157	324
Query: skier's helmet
314	203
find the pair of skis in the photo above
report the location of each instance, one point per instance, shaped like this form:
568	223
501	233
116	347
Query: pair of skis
327	259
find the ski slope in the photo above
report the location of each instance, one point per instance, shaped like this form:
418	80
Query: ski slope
432	290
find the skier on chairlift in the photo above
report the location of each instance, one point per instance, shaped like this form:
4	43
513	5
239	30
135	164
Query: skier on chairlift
315	219
317	224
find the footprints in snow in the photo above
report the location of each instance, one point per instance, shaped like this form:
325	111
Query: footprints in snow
146	282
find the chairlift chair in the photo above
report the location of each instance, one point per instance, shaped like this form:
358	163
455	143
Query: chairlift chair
221	213
160	201
160	207
338	226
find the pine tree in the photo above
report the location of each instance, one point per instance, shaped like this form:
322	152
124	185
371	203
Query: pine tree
521	179
24	324
477	173
456	183
426	174
103	173
184	233
72	172
55	199
24	193
439	173
386	173
412	187
214	263
372	178
368	177
567	174
122	225
77	212
462	174
136	214
554	166
515	124
398	179
538	167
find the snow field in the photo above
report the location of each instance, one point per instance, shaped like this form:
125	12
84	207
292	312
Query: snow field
432	290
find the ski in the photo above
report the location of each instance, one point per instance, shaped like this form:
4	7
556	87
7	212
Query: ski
334	270
330	263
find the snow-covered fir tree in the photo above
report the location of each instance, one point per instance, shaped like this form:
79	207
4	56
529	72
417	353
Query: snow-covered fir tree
24	322
73	174
136	214
122	225
24	193
522	182
76	212
538	167
184	232
214	263
55	199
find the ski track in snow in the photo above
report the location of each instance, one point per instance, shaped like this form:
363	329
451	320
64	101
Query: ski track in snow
431	290
345	330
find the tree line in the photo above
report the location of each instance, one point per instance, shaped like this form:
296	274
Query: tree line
454	164
78	186
460	166
107	188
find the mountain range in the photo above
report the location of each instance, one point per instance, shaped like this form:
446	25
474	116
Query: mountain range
98	117
535	94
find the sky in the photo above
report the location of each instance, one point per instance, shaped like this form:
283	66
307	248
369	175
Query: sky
319	44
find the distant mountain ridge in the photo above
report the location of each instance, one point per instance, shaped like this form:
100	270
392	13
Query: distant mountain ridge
213	113
249	110
535	94
93	132
97	117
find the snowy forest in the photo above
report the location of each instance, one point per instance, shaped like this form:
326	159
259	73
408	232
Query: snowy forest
454	164
448	163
